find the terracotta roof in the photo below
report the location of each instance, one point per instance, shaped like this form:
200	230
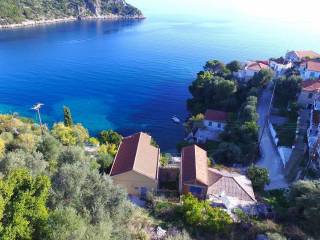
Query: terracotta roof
313	66
311	85
136	153
216	116
308	53
194	165
231	184
257	66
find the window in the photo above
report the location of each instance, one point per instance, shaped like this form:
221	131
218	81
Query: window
195	190
219	125
210	124
310	95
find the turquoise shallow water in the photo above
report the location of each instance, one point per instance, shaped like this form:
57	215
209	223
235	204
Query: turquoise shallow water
128	75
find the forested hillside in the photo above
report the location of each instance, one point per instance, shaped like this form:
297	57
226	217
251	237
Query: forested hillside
17	11
50	188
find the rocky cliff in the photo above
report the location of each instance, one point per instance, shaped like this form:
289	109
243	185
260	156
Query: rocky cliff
21	11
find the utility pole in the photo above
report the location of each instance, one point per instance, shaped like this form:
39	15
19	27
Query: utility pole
268	113
37	108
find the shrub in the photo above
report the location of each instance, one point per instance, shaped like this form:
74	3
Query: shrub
259	177
110	137
2	147
75	135
23	208
34	162
201	214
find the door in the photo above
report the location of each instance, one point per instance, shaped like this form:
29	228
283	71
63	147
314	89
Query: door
143	192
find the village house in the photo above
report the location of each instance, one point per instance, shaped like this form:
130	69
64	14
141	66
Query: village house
136	165
313	132
310	69
250	69
213	125
313	136
298	56
280	65
221	187
309	93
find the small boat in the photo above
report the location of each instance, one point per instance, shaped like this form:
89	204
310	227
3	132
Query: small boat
175	119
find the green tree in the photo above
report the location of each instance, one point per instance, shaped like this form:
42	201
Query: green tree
287	90
262	78
50	149
2	147
228	153
248	111
34	162
165	158
304	198
75	135
234	66
110	137
201	214
72	154
105	161
66	223
91	194
259	177
68	122
23	210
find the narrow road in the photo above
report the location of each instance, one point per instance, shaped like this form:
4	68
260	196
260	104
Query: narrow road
270	158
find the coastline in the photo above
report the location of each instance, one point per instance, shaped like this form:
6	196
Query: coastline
33	23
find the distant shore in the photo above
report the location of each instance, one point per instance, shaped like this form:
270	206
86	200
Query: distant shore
33	23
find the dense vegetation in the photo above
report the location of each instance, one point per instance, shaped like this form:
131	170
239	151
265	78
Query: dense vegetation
217	88
16	11
50	188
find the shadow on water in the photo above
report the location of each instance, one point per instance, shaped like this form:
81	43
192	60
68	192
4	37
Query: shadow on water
97	27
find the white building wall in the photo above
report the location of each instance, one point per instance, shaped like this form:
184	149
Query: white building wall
211	125
306	74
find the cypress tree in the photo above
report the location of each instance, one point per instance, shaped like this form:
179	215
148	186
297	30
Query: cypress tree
68	122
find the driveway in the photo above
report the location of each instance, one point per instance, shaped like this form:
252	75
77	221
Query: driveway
270	158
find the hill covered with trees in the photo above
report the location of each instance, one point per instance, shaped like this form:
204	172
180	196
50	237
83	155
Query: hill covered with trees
18	11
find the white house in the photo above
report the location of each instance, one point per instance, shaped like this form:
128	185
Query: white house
313	133
251	68
310	70
309	93
280	65
214	123
297	56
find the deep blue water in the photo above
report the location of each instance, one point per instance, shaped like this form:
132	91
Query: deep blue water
128	75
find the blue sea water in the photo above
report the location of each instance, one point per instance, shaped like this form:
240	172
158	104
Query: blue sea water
129	75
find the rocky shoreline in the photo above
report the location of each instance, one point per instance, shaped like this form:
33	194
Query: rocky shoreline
33	23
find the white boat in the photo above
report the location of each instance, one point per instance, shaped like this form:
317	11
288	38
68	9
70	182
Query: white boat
175	119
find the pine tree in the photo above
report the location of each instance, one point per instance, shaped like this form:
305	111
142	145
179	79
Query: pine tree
68	122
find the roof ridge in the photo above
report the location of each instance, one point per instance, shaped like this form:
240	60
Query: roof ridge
136	153
253	198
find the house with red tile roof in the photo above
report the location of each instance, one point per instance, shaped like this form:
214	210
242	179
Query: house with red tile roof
298	56
250	69
136	165
194	171
310	69
310	92
221	187
213	124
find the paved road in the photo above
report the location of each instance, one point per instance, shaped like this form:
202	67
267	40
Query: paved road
270	158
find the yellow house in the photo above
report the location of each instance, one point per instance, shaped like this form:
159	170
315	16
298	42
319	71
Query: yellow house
136	165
